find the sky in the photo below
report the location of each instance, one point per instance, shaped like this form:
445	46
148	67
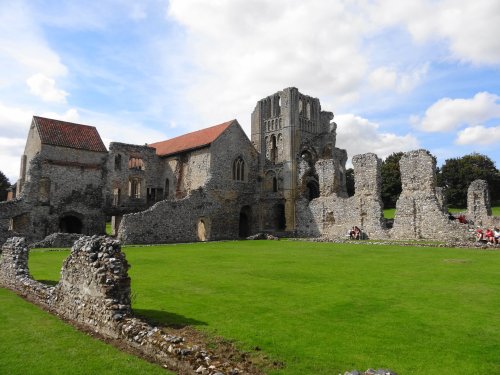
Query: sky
398	75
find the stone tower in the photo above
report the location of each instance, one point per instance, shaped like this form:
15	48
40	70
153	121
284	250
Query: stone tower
288	129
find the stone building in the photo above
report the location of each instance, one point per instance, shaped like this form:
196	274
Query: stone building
216	183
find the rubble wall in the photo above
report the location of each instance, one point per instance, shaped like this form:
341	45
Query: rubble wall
478	203
419	213
332	215
94	295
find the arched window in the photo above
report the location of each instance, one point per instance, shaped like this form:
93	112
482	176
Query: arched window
274	149
136	163
308	110
239	169
118	162
134	188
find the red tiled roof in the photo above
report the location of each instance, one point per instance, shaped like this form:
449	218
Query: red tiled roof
190	141
68	134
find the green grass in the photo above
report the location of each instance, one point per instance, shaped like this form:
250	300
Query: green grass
33	341
109	229
389	213
325	308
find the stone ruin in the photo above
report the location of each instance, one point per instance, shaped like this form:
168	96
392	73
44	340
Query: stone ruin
94	294
289	179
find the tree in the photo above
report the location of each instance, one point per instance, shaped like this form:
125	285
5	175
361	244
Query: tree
457	174
349	181
391	179
4	185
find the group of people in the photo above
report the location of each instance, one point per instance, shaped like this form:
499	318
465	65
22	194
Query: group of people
488	235
355	233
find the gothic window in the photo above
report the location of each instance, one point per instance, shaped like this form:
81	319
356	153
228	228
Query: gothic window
239	169
136	163
116	196
300	106
118	162
134	188
274	149
308	110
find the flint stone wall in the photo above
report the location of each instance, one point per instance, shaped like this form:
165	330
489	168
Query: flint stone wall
419	213
94	294
333	215
478	203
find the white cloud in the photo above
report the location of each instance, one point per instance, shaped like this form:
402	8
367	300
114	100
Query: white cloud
470	28
478	135
448	114
23	50
11	150
246	50
387	78
45	87
71	115
359	135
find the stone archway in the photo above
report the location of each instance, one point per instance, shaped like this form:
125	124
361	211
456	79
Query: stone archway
279	217
312	190
202	230
70	224
245	223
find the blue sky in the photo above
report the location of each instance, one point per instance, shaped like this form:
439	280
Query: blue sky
398	75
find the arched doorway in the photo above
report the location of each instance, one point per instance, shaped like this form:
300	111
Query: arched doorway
312	190
70	224
279	216
201	230
245	222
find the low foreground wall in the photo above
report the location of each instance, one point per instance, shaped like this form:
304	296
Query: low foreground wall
94	294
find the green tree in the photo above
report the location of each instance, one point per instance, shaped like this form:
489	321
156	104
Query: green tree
456	175
391	179
4	185
349	181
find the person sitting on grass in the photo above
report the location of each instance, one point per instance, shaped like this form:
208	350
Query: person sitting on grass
496	235
479	234
489	236
351	233
357	233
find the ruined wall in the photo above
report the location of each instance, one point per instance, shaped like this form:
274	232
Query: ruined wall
94	294
10	210
126	163
478	203
333	215
419	214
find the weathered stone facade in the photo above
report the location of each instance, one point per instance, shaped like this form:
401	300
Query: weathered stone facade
217	184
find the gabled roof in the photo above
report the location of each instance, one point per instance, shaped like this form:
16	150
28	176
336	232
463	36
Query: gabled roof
68	134
190	141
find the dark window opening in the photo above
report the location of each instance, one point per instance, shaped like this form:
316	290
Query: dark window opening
275	184
279	217
70	224
274	149
118	162
245	222
312	190
239	169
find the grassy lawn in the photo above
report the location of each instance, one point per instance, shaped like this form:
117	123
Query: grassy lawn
326	308
34	342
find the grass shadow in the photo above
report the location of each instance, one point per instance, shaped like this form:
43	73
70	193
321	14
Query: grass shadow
167	319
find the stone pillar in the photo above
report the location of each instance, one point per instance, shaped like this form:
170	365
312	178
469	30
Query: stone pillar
418	212
367	198
478	202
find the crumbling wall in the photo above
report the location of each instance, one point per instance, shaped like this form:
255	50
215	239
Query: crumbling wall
170	221
94	294
94	289
419	214
333	215
478	203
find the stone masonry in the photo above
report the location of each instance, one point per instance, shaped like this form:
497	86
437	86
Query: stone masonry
94	294
215	183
